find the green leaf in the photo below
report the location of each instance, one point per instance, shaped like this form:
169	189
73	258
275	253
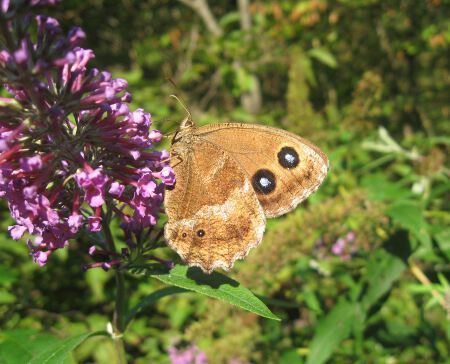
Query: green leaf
379	188
6	297
312	301
331	331
324	56
447	329
290	357
58	352
442	237
19	346
152	298
216	285
383	269
409	215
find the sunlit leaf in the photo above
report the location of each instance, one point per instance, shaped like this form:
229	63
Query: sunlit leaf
216	285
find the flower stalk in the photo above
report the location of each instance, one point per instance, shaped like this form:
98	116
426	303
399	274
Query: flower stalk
118	323
119	317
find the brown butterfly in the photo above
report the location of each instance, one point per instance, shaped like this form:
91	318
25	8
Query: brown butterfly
229	178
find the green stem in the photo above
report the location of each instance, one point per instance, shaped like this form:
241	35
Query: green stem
120	304
119	318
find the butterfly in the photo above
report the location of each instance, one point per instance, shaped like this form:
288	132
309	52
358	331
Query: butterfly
230	177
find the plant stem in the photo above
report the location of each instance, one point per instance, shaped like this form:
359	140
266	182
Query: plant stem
118	317
422	278
120	302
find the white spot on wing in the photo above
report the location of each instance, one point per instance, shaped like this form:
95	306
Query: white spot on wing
311	153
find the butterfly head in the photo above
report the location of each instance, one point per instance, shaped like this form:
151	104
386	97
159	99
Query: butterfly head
187	123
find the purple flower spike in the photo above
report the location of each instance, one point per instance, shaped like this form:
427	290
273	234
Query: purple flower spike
96	155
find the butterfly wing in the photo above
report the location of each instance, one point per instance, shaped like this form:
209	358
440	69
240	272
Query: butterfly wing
284	169
214	214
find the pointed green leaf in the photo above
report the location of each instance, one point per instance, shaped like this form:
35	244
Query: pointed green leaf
331	331
58	351
384	268
32	347
216	285
409	215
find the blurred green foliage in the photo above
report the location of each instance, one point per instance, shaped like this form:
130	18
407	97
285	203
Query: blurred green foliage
366	80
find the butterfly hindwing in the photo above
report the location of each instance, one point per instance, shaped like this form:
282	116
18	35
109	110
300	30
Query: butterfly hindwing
214	214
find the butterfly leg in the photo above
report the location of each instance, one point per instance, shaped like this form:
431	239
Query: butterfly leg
178	159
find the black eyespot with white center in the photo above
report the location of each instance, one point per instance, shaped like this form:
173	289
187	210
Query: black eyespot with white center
201	233
264	181
288	157
184	235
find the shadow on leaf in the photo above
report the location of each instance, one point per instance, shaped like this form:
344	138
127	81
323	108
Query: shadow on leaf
214	280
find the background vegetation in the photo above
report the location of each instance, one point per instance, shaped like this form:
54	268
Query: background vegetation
358	274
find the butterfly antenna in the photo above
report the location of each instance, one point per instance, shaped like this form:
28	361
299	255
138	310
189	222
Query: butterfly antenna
187	121
182	104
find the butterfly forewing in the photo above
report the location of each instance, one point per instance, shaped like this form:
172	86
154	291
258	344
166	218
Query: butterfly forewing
284	169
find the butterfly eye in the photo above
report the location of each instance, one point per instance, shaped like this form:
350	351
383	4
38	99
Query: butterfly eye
263	181
201	233
288	157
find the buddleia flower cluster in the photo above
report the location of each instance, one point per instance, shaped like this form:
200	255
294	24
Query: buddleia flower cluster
72	153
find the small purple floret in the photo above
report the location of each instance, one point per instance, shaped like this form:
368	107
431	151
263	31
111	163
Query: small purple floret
94	223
